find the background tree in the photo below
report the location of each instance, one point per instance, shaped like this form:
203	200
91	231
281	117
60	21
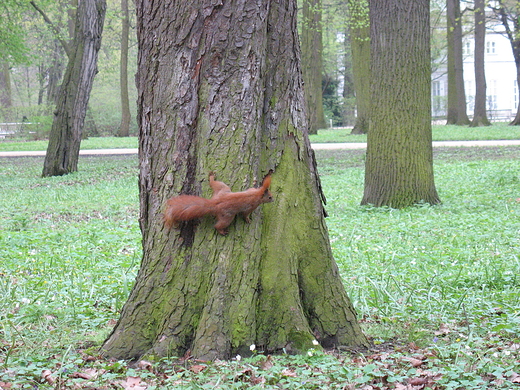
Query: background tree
312	67
399	166
13	48
349	94
456	110
508	12
220	89
65	137
480	114
359	27
124	128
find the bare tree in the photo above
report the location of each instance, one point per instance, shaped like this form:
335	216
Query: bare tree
480	114
359	26
312	63
67	127
457	112
124	127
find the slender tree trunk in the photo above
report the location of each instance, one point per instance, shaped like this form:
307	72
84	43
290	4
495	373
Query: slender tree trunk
124	128
360	31
6	100
399	166
457	111
348	111
220	89
480	114
69	117
312	63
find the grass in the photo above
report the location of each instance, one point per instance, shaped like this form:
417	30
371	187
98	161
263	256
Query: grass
439	133
437	289
500	131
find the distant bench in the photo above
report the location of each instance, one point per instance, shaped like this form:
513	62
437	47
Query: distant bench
11	129
497	115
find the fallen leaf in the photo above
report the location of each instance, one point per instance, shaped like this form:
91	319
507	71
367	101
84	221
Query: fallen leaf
5	385
144	365
196	368
133	383
256	380
289	372
47	376
413	361
267	363
80	375
417	381
443	330
515	378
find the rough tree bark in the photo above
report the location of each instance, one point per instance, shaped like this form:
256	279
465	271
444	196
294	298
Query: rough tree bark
312	63
124	127
359	25
456	107
69	117
220	89
399	163
480	114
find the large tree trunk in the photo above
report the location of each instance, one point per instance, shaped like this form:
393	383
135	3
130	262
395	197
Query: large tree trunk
124	128
359	24
480	114
457	111
312	63
220	89
399	166
67	126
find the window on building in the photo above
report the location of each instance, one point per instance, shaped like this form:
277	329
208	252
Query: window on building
490	47
436	88
466	48
492	95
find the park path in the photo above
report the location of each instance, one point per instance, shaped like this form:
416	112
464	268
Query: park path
328	146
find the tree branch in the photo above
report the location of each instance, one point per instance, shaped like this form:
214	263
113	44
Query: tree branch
55	29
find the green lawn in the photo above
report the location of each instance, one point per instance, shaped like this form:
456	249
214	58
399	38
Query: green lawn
440	133
437	289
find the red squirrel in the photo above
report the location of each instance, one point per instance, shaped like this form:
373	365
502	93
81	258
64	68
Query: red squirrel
223	205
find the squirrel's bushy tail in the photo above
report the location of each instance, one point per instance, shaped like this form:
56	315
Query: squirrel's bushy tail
186	208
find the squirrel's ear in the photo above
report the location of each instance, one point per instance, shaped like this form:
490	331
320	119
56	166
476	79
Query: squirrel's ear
266	183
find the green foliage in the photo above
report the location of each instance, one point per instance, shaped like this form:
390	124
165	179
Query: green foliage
13	47
436	288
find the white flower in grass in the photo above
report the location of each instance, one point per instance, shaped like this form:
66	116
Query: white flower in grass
315	342
252	347
238	358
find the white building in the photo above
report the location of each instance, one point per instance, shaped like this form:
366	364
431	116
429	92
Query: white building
500	68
